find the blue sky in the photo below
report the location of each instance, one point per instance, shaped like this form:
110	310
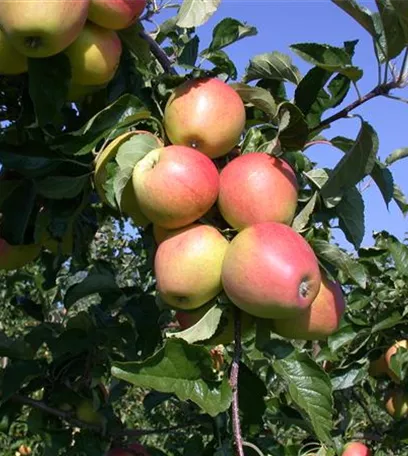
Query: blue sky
285	22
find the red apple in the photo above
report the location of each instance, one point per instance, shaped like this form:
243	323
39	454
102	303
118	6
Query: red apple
318	321
188	265
270	271
138	449
115	14
391	352
356	449
175	185
206	114
257	188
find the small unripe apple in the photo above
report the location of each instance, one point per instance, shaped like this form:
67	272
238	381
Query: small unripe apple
256	188
16	256
11	61
206	114
175	185
270	271
86	412
388	355
115	14
356	449
396	403
188	265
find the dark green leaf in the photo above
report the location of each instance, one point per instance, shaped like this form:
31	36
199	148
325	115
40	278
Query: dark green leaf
189	53
293	130
60	187
229	31
309	87
389	322
394	33
399	253
350	211
382	176
343	336
401	9
358	12
222	62
251	394
135	43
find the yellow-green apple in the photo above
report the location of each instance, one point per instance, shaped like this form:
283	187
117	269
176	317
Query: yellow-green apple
257	188
206	114
187	266
16	256
175	185
356	449
319	320
378	367
128	203
86	412
270	271
396	403
42	28
11	61
225	332
390	353
115	14
94	56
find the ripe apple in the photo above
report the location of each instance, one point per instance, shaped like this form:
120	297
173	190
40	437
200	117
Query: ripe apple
389	353
41	28
16	256
188	265
24	450
225	333
115	14
175	185
129	204
257	188
356	449
396	403
86	412
11	61
318	321
270	271
160	234
94	56
206	114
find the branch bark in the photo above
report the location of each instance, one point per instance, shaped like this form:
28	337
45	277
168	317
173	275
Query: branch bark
158	52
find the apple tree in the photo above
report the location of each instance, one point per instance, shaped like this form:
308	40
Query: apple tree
170	277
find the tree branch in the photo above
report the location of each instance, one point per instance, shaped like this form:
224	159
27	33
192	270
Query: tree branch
158	52
236	425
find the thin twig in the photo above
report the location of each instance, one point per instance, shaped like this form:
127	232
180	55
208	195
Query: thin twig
403	66
236	425
366	411
140	432
158	52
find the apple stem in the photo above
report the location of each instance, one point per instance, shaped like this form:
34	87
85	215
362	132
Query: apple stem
236	425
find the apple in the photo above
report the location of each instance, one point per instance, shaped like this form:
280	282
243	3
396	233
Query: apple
115	14
225	332
42	28
356	449
187	266
378	367
16	256
24	450
396	403
160	234
135	449
206	114
175	185
86	412
77	92
318	321
11	61
256	188
389	353
129	204
270	271
94	56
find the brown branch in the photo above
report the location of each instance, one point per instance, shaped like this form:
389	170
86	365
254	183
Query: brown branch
158	52
236	425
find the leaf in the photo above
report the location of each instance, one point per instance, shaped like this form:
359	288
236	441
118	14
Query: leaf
330	58
343	336
399	253
20	373
382	176
60	187
182	369
194	13
293	129
394	34
309	87
347	378
189	53
400	199
310	389
48	86
221	60
138	46
339	259
350	211
301	220
229	31
273	65
258	97
318	176
360	13
357	163
401	9
387	323
396	155
251	394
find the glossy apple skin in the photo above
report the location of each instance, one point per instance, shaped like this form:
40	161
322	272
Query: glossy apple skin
389	353
175	185
206	114
270	271
356	449
115	14
257	188
16	256
396	403
187	266
318	321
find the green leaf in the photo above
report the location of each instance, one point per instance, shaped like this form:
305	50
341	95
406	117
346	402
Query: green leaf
48	86
360	13
310	389
382	176
387	323
399	253
340	260
318	177
222	62
293	129
401	9
15	348
343	336
258	97
20	373
189	53
393	31
194	13
400	199
229	31
330	58
60	187
301	220
273	65
350	211
396	155
183	369
7	187
138	46
357	163
348	377
251	394
309	88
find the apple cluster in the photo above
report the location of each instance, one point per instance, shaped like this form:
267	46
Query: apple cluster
84	30
266	268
